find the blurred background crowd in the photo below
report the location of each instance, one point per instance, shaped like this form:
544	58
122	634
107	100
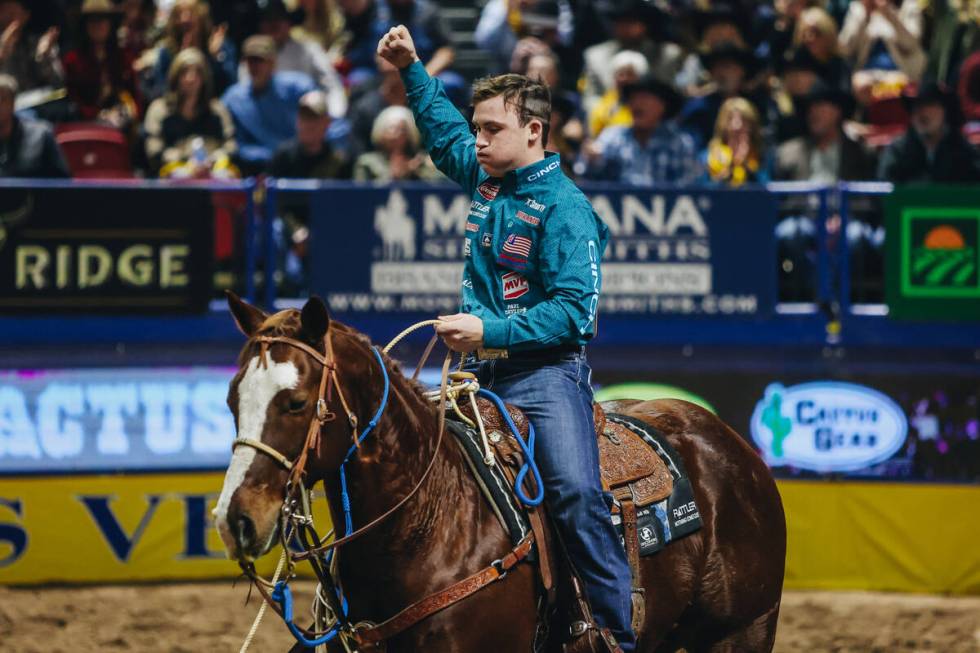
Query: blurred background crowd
724	92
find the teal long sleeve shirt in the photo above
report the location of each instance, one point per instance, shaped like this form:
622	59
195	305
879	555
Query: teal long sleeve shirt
534	244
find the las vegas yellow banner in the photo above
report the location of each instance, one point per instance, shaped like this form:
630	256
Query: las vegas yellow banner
116	528
900	537
884	536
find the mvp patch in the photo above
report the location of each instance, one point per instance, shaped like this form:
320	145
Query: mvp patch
514	286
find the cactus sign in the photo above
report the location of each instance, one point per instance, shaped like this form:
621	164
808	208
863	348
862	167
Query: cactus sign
827	426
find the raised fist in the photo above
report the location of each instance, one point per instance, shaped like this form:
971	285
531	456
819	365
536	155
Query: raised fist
397	47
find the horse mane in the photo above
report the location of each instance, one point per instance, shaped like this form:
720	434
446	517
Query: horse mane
286	324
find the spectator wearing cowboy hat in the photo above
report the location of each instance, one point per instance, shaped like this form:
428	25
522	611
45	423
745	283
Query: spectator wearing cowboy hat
825	153
632	29
932	149
653	150
797	73
100	77
718	24
264	104
731	67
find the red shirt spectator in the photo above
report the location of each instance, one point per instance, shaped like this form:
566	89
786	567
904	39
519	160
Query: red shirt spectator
99	75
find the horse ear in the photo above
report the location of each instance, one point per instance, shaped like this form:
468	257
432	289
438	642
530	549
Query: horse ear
314	319
248	318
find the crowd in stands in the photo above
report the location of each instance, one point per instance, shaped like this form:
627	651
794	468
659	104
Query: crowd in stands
723	92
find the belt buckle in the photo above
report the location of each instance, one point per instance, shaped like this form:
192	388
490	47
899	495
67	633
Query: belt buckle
491	354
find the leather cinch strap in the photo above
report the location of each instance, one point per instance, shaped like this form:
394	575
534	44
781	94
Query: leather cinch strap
444	598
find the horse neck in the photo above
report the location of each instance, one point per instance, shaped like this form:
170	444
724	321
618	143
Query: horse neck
390	463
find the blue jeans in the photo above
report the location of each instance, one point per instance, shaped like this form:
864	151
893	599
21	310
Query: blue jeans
555	394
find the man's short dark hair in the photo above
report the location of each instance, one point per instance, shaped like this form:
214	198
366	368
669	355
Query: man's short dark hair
529	98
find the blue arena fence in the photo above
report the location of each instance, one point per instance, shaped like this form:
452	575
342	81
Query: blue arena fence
832	318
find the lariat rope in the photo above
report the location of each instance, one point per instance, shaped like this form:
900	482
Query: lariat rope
262	607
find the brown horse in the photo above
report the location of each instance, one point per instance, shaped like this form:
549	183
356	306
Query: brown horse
717	589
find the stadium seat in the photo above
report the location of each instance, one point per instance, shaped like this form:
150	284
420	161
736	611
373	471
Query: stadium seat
94	151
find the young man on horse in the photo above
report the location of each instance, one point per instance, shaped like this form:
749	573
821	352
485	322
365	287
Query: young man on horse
530	291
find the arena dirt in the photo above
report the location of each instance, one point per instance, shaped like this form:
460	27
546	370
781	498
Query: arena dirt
189	618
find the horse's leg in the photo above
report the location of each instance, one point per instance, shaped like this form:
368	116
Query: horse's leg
758	637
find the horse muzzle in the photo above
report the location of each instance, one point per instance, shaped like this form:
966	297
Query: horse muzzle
246	536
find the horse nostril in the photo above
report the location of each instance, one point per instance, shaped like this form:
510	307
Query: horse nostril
245	531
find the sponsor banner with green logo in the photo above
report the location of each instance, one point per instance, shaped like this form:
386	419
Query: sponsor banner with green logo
933	253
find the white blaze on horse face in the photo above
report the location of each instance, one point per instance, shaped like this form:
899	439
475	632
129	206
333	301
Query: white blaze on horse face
255	391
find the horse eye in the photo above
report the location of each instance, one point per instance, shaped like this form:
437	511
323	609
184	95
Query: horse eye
297	405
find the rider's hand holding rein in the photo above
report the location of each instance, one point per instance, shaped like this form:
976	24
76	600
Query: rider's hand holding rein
461	332
397	47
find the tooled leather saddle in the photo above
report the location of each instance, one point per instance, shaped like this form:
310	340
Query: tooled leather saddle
630	469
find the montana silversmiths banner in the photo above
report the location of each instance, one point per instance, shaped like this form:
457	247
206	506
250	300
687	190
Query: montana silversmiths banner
398	251
932	242
117	250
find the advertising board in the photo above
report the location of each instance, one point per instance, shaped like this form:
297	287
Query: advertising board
83	249
125	419
932	241
669	253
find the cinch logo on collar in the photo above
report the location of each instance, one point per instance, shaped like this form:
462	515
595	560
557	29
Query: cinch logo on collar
488	190
537	174
514	285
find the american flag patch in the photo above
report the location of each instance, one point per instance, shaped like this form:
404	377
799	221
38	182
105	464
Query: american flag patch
518	245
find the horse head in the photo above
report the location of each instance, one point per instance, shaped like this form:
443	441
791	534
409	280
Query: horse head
274	398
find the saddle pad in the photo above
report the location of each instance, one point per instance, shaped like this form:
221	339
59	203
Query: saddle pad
494	485
669	519
626	459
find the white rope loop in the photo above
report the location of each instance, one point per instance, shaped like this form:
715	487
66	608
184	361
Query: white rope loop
262	608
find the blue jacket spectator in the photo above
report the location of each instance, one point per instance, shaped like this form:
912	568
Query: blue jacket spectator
305	57
264	107
653	150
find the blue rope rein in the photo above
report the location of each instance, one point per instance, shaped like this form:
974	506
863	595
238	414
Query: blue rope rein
281	594
528	450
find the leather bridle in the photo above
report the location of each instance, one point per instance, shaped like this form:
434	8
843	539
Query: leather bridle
364	634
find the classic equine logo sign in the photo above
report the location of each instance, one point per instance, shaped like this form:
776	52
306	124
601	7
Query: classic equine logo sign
827	426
